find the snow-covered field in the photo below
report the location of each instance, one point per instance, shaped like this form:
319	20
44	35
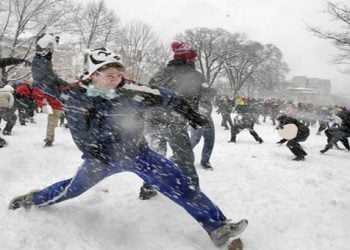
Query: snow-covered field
290	205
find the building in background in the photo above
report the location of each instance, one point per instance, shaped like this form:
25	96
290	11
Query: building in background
308	90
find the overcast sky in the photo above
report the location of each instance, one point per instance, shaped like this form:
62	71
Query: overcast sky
280	22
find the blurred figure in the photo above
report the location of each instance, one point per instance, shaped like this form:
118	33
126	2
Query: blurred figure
302	134
324	117
167	127
24	102
7	111
339	133
225	109
208	133
243	120
53	108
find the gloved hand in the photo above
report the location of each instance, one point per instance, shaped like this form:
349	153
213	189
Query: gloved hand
281	142
45	44
193	116
199	120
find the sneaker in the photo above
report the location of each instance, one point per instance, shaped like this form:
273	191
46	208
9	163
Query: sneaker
229	230
48	143
299	158
207	166
24	201
147	193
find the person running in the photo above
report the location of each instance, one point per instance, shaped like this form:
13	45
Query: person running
293	144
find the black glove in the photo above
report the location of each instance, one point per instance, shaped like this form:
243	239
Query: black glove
281	141
193	116
280	126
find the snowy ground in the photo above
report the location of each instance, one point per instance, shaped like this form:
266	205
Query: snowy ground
289	205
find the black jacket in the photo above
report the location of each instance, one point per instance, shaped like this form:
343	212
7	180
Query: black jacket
181	77
303	131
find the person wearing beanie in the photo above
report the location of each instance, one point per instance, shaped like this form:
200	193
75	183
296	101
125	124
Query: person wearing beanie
184	51
166	127
105	117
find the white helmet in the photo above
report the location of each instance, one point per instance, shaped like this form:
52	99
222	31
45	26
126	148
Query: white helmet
98	58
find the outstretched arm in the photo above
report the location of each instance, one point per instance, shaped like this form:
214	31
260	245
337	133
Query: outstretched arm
12	61
158	96
42	70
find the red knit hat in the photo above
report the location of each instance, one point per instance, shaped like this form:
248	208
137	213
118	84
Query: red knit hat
183	50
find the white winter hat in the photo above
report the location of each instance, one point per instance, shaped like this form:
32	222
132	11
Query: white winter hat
46	43
98	58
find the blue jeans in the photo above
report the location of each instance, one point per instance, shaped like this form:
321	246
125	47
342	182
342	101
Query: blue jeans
179	141
209	139
155	170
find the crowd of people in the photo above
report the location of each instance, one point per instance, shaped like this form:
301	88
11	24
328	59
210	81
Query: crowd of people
20	102
333	120
174	109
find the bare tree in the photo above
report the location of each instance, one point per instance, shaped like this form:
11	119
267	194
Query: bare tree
340	14
248	58
269	74
139	45
213	47
96	26
25	20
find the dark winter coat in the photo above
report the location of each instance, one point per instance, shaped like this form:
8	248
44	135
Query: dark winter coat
180	76
345	117
206	101
106	130
303	131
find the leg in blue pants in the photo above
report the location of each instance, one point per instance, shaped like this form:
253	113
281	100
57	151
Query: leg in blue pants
153	169
209	139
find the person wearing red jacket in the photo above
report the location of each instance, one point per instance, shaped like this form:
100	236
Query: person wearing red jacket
53	108
24	102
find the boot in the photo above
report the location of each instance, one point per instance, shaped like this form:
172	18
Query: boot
207	166
260	140
299	158
221	235
147	192
24	201
325	149
48	143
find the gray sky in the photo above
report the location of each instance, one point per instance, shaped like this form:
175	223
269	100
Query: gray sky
280	22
